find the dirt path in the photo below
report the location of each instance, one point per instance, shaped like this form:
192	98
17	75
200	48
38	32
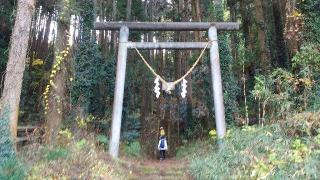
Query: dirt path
155	169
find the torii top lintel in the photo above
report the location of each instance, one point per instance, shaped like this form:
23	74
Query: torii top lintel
167	26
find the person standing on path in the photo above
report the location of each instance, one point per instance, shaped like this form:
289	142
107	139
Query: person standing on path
162	132
162	147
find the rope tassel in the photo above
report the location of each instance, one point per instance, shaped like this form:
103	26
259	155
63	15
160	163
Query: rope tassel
184	88
169	86
157	87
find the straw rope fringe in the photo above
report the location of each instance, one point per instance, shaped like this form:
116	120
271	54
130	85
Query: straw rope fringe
184	76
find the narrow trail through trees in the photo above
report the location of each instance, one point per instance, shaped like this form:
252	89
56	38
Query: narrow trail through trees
154	169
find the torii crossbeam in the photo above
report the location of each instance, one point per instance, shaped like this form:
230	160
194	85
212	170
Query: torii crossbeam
124	45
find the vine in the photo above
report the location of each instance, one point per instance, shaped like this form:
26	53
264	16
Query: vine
60	58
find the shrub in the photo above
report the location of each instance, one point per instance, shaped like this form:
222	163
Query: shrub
258	153
282	93
311	11
103	140
130	127
302	124
307	61
133	149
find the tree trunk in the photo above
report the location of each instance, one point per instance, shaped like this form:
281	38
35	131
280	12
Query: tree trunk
45	43
56	98
249	36
114	33
293	43
264	53
282	50
128	10
196	17
233	17
186	37
103	34
144	78
95	15
246	23
16	63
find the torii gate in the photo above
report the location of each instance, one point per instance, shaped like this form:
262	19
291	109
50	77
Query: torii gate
124	45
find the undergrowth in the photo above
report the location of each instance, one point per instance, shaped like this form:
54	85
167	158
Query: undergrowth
256	153
10	166
70	158
132	149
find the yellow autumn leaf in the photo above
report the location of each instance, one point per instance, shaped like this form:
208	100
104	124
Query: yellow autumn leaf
296	14
308	82
37	62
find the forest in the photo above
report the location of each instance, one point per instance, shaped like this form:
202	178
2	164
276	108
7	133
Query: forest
59	74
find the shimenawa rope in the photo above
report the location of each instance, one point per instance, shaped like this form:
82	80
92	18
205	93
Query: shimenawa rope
180	79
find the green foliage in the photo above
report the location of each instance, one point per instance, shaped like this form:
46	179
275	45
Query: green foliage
109	74
130	128
54	154
257	153
314	99
273	92
302	124
282	92
6	143
136	10
132	149
32	85
261	88
83	123
189	150
88	69
85	9
201	78
12	169
66	133
307	59
311	11
307	62
103	140
79	159
10	166
230	87
213	134
7	17
81	144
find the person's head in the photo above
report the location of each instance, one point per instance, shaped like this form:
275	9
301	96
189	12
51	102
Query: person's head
161	128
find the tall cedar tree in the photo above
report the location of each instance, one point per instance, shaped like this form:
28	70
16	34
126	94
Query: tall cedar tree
56	98
16	63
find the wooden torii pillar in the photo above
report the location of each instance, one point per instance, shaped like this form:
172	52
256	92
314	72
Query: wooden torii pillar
124	45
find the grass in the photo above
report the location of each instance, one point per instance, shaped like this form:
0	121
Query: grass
247	153
12	169
78	159
56	153
132	149
191	149
256	153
